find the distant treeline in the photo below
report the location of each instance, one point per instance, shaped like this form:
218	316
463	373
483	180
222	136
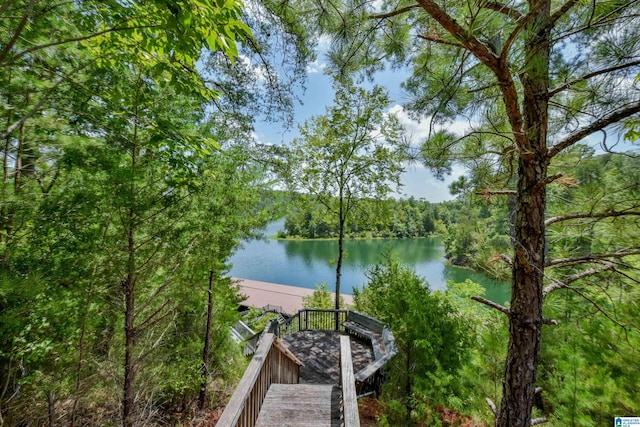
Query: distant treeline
408	218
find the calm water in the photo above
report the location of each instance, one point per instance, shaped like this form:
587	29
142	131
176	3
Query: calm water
306	263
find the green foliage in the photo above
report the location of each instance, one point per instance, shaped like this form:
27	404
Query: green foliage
113	181
588	365
257	319
431	337
479	233
356	156
399	219
321	298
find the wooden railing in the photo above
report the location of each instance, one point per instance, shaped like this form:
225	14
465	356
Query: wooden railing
368	379
317	319
350	414
272	363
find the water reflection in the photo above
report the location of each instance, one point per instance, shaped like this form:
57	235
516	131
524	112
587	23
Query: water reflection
307	263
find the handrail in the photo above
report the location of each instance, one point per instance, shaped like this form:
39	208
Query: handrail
350	412
272	363
368	378
312	319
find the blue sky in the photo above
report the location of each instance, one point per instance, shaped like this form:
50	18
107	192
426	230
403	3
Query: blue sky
417	181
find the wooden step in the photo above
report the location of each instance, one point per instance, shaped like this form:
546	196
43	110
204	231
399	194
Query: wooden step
295	405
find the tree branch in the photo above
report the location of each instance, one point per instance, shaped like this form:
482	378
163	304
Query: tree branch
592	74
598	308
562	10
612	117
33	111
394	12
489	59
628	276
487	192
18	31
536	421
479	49
504	53
437	39
596	215
575	277
548	180
503	8
563	262
506	259
492	304
492	406
71	40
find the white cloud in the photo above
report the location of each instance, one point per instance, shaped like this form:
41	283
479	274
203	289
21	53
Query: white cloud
420	183
316	67
418	130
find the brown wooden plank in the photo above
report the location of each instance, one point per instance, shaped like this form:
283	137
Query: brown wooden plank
371	369
312	405
376	339
320	351
350	412
367	321
246	388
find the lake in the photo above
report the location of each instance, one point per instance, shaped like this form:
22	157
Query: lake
306	263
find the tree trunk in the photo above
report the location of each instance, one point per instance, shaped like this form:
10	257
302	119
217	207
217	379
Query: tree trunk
525	324
129	362
408	400
129	286
205	351
79	366
51	402
19	166
340	256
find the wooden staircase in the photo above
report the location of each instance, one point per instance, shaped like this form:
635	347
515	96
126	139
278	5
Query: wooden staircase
312	405
270	395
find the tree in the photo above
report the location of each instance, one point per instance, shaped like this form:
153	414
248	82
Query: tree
534	78
321	298
431	337
347	155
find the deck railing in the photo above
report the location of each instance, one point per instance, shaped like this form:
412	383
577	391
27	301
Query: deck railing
316	319
370	378
272	363
350	414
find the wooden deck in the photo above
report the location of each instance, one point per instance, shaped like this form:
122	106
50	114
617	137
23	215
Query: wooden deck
320	353
277	390
311	405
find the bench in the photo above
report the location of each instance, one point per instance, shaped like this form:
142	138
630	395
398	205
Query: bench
376	339
367	328
382	343
367	321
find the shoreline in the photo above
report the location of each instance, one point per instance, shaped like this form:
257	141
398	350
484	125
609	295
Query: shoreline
260	294
324	239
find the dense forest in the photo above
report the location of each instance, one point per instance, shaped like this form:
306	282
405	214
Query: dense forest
128	180
131	173
394	219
